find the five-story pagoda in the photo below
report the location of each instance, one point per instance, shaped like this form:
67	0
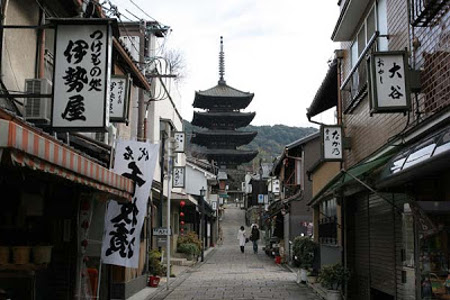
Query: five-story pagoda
220	118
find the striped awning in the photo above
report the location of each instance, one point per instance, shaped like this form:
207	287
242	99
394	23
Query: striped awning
39	151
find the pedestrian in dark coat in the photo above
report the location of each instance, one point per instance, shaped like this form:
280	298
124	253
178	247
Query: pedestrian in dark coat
254	237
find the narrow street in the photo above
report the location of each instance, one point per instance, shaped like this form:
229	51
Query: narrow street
229	274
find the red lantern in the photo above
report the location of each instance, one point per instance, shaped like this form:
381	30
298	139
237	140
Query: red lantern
182	203
182	222
181	214
182	230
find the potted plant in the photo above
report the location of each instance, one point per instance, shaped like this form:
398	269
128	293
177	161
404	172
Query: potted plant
156	268
333	278
190	249
304	249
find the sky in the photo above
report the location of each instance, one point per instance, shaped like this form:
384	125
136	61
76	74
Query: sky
277	50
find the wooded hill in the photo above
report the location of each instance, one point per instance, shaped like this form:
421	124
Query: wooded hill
270	140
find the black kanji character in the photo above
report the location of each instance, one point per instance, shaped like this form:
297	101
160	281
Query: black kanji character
131	250
74	109
95	59
96	35
395	94
335	135
394	70
128	154
135	172
75	78
76	50
380	62
95	71
96	46
144	152
127	209
118	241
336	151
95	84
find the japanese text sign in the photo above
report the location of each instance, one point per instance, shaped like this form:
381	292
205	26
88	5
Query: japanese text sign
178	177
388	82
81	76
332	143
119	98
180	138
123	221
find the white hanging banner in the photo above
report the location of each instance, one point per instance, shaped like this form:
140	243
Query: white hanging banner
178	180
81	75
123	221
180	138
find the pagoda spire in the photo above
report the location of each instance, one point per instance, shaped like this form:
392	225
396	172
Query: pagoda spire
221	63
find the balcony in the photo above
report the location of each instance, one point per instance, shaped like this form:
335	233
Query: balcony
427	12
355	86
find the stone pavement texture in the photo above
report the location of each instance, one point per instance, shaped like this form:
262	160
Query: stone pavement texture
229	274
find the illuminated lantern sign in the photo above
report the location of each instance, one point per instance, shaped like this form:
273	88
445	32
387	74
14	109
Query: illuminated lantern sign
331	143
81	77
388	87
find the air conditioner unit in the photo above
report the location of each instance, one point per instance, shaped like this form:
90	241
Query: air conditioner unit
38	110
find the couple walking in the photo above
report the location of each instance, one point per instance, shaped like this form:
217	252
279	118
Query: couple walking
254	237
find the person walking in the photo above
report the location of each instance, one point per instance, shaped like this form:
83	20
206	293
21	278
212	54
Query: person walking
241	237
254	237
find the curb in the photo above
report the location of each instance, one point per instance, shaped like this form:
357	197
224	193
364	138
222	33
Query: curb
317	291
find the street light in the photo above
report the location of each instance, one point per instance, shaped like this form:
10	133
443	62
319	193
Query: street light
202	220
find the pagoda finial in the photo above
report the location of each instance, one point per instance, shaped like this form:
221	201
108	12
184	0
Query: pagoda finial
221	63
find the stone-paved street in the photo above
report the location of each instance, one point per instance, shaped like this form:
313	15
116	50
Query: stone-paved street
229	274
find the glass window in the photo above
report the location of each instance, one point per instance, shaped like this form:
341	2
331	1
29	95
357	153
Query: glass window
371	24
361	40
444	144
420	153
354	53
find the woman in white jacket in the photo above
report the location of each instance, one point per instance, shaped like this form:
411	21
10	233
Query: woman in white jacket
241	237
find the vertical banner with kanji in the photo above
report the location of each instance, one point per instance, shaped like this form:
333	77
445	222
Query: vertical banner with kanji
332	142
81	78
388	84
123	221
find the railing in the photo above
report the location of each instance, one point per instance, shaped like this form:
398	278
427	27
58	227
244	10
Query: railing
354	87
328	230
427	12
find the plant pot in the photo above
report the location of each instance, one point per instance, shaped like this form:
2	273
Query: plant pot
153	281
4	255
333	295
21	255
303	277
42	254
312	279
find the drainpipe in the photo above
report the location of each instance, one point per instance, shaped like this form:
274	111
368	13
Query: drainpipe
141	102
41	47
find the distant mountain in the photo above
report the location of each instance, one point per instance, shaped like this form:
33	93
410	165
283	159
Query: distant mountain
270	140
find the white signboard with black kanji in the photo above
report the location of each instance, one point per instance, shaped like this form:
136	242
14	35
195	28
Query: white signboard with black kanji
81	76
180	138
119	98
388	82
123	221
178	179
332	143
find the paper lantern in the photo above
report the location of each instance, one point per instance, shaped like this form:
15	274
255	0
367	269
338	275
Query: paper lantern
182	222
181	214
182	203
182	230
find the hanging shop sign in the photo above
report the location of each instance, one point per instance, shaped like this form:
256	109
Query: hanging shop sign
180	138
178	178
331	143
388	82
119	98
81	75
123	221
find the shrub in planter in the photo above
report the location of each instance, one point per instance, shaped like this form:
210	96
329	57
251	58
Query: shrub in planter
189	248
154	261
189	238
334	277
303	249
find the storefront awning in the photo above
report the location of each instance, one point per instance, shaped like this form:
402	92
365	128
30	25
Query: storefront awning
36	150
185	197
346	177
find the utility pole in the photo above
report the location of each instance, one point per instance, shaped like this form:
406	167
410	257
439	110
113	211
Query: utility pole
170	146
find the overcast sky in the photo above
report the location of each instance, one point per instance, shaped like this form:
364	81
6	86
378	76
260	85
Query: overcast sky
276	49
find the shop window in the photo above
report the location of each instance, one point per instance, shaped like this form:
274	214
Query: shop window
328	222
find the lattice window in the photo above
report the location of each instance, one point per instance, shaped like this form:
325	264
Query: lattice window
427	12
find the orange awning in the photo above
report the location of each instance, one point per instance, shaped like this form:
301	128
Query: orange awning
39	151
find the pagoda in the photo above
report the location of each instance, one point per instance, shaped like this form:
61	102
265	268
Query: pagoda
220	118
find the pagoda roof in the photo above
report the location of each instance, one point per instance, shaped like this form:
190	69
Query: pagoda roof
222	96
233	137
228	156
231	119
